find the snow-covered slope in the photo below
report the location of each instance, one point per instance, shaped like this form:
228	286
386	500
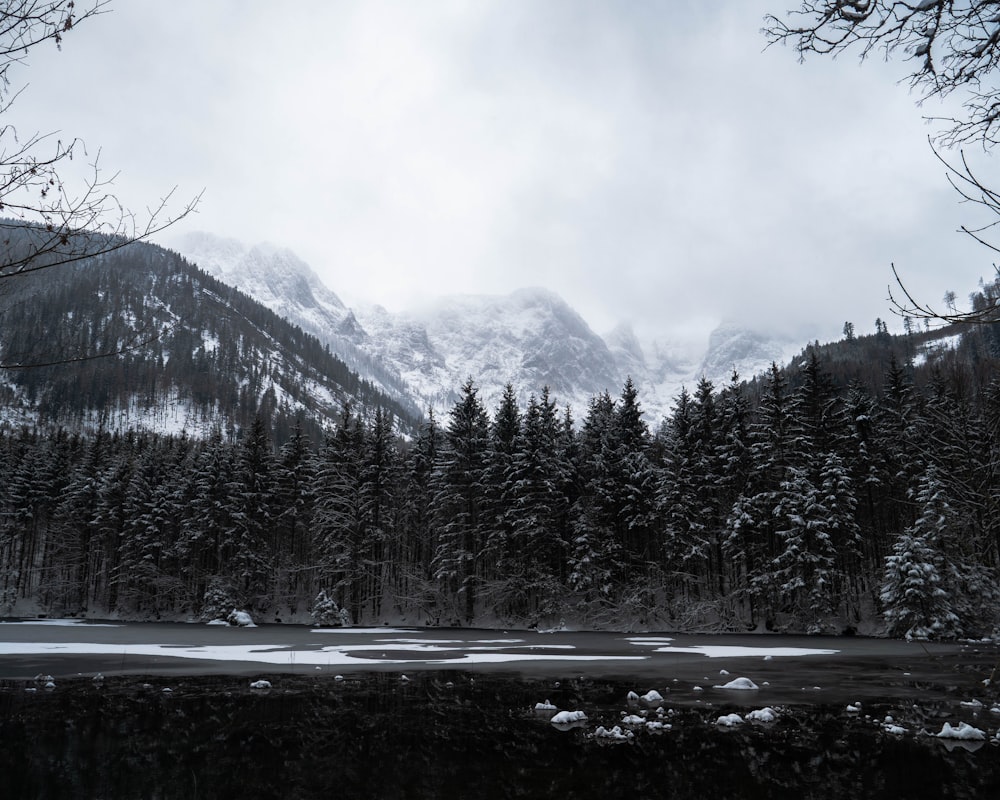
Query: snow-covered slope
530	338
280	280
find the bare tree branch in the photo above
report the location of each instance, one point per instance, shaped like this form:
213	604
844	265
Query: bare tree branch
47	220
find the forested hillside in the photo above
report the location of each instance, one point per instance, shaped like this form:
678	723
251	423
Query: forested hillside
842	492
187	353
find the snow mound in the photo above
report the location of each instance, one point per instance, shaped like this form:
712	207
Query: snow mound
261	684
616	734
632	720
895	730
729	720
853	709
652	698
766	714
742	684
566	717
546	706
240	619
632	698
657	727
964	731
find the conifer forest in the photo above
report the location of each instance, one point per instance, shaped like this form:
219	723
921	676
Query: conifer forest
855	489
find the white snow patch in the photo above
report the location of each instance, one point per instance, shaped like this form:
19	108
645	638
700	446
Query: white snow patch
567	717
58	622
261	684
615	734
652	697
734	651
546	706
272	654
766	714
964	731
742	684
729	720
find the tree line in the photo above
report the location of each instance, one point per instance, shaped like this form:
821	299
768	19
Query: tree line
786	503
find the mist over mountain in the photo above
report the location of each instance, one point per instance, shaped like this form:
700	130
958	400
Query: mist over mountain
530	338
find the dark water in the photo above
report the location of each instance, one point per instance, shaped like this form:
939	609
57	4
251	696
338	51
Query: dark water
457	735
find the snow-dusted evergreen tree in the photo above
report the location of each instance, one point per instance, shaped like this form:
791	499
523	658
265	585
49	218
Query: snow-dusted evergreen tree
690	497
253	535
294	500
339	518
496	518
205	541
917	595
804	568
380	477
595	555
751	541
534	506
459	501
417	583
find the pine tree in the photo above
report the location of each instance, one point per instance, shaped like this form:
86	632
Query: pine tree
916	596
459	500
339	521
252	559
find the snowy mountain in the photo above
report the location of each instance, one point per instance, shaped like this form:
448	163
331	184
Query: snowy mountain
281	281
190	353
530	338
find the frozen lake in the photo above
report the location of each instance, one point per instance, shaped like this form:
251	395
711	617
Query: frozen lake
788	668
185	711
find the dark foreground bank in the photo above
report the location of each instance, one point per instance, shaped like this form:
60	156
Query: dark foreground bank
451	734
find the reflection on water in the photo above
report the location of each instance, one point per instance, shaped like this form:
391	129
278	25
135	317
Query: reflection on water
453	735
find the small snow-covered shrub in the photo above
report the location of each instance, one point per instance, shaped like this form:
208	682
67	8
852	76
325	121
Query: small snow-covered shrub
219	599
327	614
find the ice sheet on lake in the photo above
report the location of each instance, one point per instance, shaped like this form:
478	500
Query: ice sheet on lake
279	654
660	645
59	622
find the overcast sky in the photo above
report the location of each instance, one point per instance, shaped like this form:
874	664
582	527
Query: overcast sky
650	161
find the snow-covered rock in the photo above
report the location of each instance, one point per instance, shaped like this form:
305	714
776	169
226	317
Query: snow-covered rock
964	731
766	714
240	619
567	717
632	720
729	720
652	698
741	684
615	734
546	706
261	684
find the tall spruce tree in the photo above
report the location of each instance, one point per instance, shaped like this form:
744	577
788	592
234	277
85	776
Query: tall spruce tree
460	499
